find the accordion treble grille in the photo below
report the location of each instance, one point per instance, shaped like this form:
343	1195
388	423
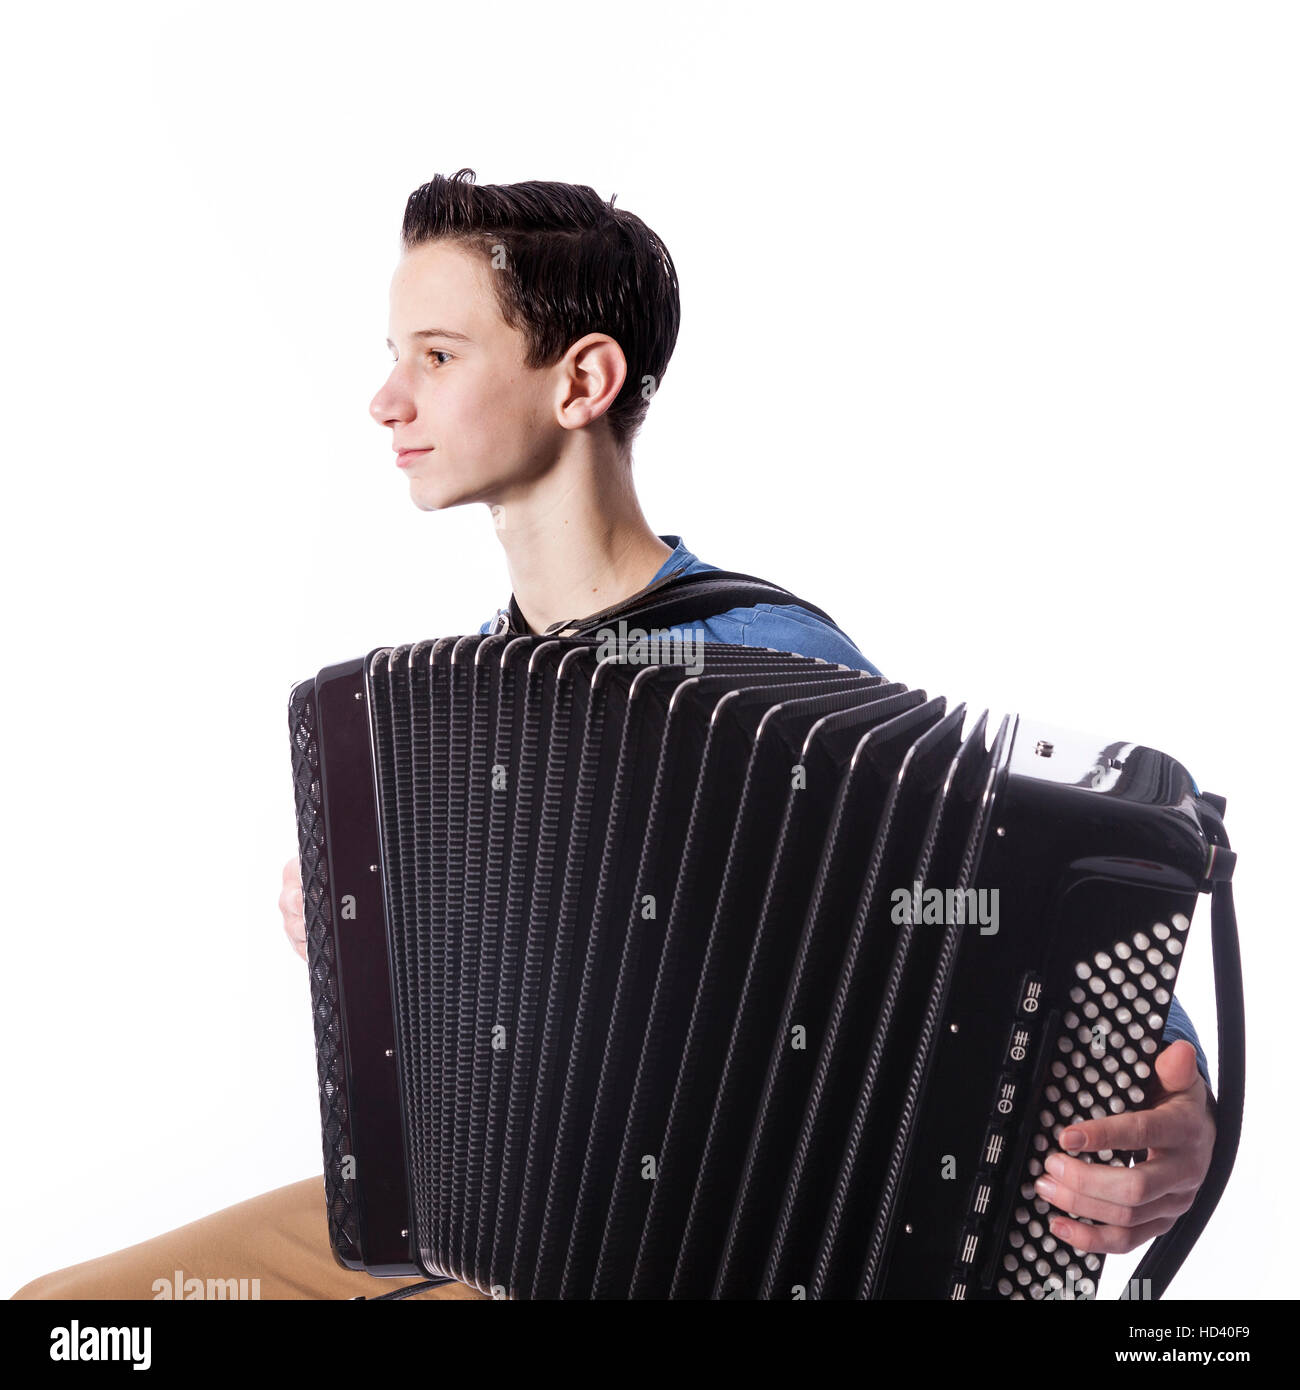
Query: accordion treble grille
336	1134
658	1027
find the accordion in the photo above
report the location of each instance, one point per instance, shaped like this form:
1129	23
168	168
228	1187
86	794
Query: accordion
739	976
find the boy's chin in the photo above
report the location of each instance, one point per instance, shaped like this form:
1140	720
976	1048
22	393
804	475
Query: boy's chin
435	490
437	499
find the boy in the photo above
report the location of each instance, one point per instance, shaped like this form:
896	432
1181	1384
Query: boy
531	325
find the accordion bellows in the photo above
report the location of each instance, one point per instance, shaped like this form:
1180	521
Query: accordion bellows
754	977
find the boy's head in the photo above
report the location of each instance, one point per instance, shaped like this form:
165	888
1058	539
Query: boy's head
519	312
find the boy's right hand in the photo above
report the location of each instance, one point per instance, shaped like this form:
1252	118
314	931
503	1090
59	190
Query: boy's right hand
295	924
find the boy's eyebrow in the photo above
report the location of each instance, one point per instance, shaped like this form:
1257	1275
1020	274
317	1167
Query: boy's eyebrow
436	333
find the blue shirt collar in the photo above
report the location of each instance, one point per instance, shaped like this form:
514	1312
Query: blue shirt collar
680	556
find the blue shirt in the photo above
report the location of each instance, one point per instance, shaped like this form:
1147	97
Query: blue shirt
787	627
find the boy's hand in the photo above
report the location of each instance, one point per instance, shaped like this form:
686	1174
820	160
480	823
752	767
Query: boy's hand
295	924
1138	1203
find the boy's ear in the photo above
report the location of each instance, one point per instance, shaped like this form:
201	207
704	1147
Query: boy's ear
590	376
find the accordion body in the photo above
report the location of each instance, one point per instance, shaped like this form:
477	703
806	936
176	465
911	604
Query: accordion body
757	977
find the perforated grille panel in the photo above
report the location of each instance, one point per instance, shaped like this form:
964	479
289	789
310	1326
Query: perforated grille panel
336	1136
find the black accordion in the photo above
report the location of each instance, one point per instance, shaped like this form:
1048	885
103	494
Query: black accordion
739	976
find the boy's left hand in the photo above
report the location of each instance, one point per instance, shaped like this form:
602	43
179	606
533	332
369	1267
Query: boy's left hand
1135	1204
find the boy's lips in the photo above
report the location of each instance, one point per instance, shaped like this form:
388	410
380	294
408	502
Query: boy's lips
408	456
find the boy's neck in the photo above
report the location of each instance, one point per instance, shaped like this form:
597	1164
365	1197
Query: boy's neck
575	538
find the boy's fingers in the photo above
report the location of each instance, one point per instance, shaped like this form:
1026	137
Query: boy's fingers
1176	1067
1114	1208
1108	1240
1127	1187
1164	1126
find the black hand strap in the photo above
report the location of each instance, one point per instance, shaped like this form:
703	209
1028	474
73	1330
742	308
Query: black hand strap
679	598
1167	1253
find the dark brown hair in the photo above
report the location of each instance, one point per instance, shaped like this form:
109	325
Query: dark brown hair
566	264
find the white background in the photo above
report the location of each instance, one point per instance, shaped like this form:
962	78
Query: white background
988	347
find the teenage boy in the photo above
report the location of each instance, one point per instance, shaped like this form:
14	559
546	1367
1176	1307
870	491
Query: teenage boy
531	325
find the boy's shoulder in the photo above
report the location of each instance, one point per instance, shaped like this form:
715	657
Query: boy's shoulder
786	627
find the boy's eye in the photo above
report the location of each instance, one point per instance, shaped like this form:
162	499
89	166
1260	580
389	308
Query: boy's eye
437	352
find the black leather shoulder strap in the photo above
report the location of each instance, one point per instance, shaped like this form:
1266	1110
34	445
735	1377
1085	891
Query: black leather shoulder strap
681	598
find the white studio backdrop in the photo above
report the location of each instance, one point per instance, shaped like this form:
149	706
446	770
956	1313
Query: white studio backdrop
988	347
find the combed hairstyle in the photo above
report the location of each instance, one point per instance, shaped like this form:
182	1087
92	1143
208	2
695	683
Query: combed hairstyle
565	263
